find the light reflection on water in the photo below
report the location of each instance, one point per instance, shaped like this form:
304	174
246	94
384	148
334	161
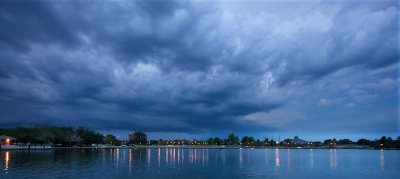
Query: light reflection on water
241	157
7	159
288	158
183	163
266	157
158	157
312	158
116	155
333	159
277	161
148	157
382	160
130	161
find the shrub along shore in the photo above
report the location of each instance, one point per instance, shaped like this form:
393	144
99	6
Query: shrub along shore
68	137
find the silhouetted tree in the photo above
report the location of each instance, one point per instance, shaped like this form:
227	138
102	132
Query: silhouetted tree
232	139
364	142
111	139
210	141
89	137
248	141
138	138
218	141
382	140
154	142
258	143
345	141
330	141
272	142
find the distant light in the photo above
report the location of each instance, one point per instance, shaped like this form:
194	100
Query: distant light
8	141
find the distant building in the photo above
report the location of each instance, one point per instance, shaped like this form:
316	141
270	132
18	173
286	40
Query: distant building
297	141
6	140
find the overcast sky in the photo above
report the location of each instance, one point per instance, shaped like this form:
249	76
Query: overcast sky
200	68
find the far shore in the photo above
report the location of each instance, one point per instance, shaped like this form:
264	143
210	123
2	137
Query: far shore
102	146
222	147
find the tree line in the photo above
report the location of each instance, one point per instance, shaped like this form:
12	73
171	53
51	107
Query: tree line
68	136
59	136
383	142
140	138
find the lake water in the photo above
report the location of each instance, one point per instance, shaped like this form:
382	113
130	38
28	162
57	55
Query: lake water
201	163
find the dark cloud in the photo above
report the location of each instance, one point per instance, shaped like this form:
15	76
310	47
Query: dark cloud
175	66
158	9
27	22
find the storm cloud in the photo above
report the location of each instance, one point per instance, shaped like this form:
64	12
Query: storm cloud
179	66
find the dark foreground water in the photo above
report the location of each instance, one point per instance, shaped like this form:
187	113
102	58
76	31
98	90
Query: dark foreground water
201	163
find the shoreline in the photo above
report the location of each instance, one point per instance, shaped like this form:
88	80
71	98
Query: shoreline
221	147
199	147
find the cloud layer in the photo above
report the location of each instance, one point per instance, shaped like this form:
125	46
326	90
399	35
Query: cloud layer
177	66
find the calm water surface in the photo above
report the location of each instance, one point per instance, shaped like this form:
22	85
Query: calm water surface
201	163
